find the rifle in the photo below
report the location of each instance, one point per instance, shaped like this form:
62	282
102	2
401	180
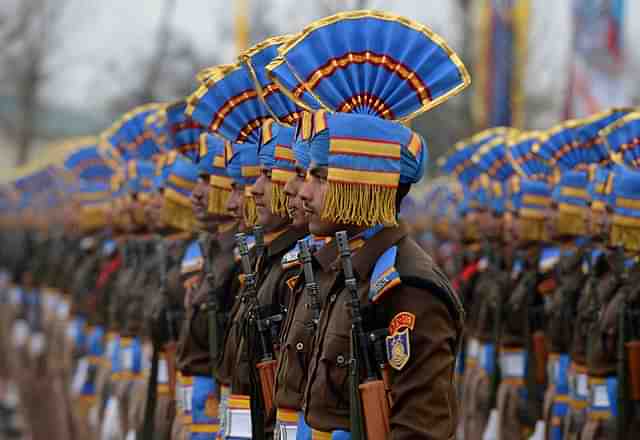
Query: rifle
170	317
267	363
368	400
146	431
212	306
310	284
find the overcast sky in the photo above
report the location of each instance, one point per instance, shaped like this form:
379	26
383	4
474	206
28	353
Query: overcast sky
104	37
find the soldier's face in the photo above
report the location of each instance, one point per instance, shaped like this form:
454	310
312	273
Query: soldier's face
200	200
262	192
235	205
313	193
597	223
551	221
509	231
294	202
153	211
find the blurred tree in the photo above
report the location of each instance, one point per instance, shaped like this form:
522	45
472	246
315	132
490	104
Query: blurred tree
166	73
31	38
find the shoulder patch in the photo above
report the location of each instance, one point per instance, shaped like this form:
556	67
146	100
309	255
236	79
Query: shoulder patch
402	320
290	259
384	276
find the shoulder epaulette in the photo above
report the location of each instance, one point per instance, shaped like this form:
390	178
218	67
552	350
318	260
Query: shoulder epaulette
290	259
384	276
548	259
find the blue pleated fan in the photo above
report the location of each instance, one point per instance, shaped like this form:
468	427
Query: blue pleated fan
228	103
184	132
372	63
131	136
623	140
256	59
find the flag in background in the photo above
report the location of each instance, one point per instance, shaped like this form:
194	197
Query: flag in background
500	60
597	64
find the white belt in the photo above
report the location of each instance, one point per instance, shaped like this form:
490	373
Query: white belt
579	386
473	349
237	418
512	364
286	424
599	396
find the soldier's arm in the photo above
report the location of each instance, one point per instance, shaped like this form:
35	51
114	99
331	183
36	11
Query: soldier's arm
423	393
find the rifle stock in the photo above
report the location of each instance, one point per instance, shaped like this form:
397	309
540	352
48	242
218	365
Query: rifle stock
311	286
267	365
369	401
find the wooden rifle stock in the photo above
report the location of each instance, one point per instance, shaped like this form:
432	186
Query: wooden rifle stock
372	392
633	353
541	355
267	372
267	365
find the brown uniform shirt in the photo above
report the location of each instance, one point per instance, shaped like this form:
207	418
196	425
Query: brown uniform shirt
193	348
273	290
422	391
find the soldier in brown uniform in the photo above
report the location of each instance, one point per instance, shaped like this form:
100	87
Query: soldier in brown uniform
361	167
199	350
474	278
497	363
527	201
611	337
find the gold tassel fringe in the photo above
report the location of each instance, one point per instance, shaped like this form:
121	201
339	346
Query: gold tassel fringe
139	217
178	215
218	199
361	205
570	223
625	236
279	200
532	229
92	218
250	211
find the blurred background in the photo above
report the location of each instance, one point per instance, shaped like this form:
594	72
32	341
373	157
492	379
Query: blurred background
70	67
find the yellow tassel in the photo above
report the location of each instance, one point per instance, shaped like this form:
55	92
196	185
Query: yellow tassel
250	211
570	223
625	236
218	199
139	217
361	205
92	218
178	215
279	200
532	229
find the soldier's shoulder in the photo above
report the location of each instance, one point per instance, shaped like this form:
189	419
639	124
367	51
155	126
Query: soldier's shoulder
407	264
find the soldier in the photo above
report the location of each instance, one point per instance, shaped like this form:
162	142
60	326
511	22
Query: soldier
610	339
256	165
498	363
201	338
347	191
476	218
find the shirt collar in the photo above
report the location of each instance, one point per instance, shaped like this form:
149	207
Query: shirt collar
366	256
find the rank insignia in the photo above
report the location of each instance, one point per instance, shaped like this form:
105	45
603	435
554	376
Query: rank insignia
398	349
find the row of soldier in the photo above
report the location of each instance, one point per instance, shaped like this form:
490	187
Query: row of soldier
233	265
539	231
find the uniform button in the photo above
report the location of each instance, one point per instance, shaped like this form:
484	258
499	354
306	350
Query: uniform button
340	359
299	346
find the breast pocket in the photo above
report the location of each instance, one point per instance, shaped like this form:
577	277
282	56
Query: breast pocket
297	349
335	365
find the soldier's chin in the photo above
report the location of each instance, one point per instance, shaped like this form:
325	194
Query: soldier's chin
317	226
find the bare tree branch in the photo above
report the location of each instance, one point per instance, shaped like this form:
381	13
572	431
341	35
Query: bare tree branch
158	59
